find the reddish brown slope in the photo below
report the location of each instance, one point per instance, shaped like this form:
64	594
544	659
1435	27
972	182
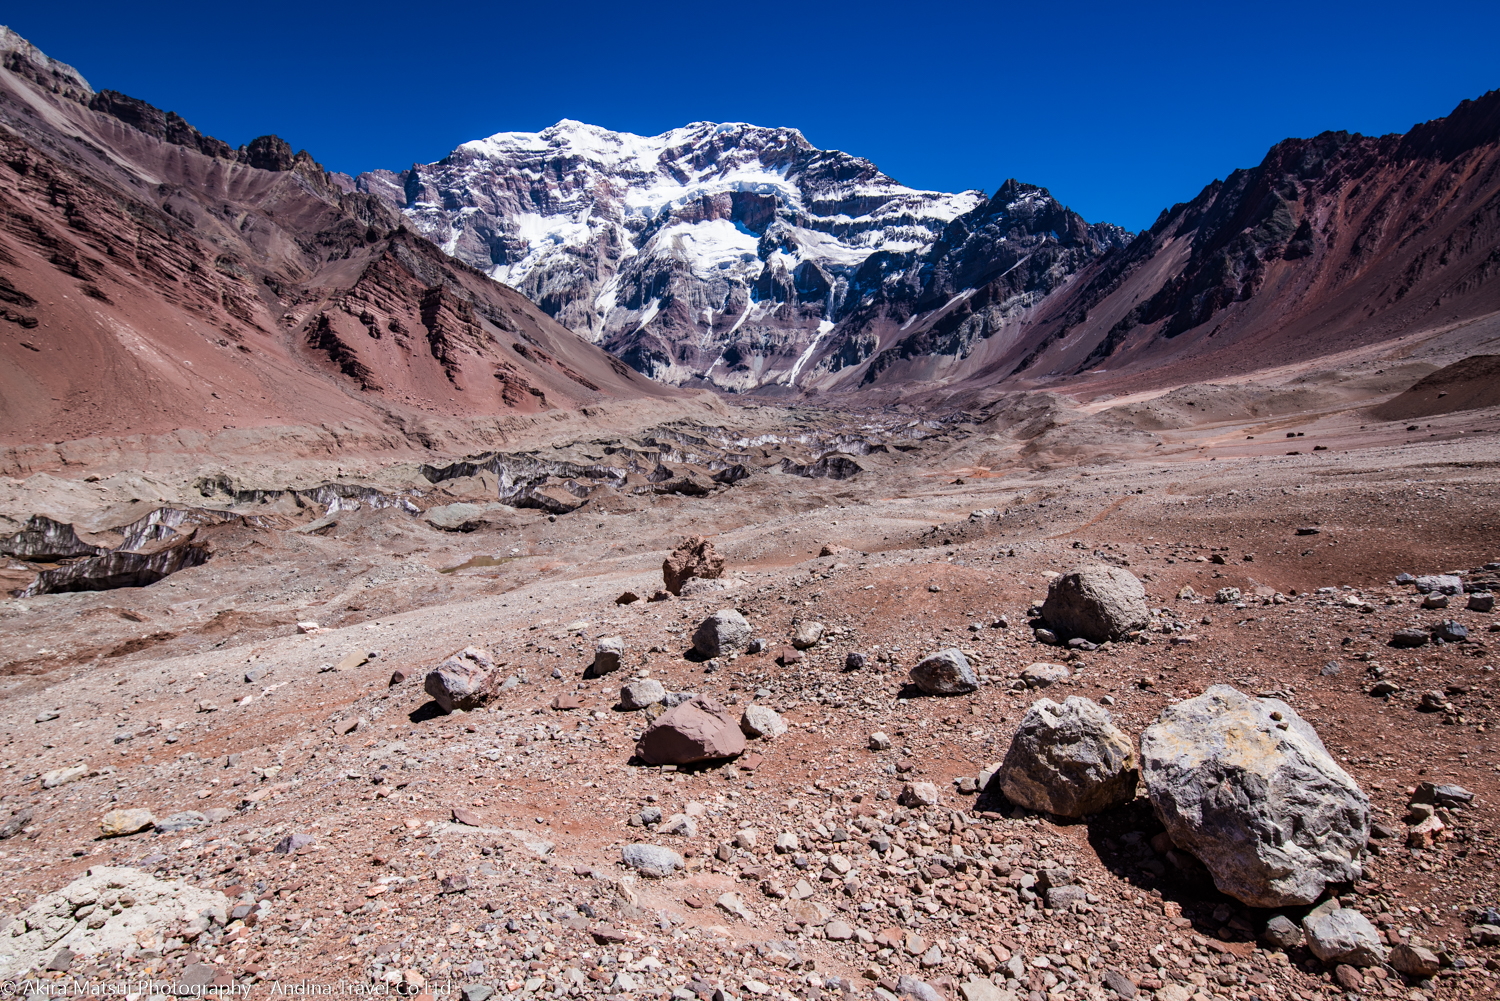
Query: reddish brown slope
148	287
1331	243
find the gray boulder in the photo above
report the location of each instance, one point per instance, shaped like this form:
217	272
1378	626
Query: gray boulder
1069	760
640	694
1097	603
462	681
1343	936
651	857
607	654
946	672
722	632
1248	788
1440	583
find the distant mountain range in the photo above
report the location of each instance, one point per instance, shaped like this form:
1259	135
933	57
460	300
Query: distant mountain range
147	270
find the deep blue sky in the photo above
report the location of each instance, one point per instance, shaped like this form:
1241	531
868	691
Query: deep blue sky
1120	109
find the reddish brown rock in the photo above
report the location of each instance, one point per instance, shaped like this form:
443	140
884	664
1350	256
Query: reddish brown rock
697	730
695	557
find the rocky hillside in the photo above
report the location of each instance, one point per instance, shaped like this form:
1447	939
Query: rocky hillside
1333	243
728	254
154	280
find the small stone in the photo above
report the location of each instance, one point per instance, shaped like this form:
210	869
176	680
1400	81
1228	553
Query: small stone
786	842
293	843
650	815
680	824
1045	636
628	597
1119	983
639	856
932	957
807	635
1435	601
1450	631
186	821
762	722
1348	978
63	776
1308	530
1407	638
946	672
1282	933
1414	961
466	817
607	655
734	905
837	931
640	694
1044	675
1227	595
920	794
1481	601
747	838
854	661
118	823
1060	898
879	741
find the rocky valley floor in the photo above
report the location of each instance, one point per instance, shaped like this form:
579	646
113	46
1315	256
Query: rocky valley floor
340	827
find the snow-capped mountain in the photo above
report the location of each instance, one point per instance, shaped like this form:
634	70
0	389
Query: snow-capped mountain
728	253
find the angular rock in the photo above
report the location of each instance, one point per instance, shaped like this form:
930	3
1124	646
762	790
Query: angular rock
607	655
694	557
1282	932
1044	675
1481	601
627	598
293	843
118	823
1414	961
15	823
462	681
758	721
697	730
1060	898
1119	983
920	794
62	776
1097	603
640	694
1343	936
946	672
838	931
651	857
1450	631
879	741
1267	810
909	986
855	661
680	824
1227	595
1439	583
1403	639
186	821
722	632
807	635
1069	760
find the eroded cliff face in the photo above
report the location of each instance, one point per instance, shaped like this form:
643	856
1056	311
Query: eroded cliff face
154	280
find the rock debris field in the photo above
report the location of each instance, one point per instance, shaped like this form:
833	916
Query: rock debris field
948	725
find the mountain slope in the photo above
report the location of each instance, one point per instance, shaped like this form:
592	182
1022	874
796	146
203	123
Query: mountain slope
1329	244
714	253
156	281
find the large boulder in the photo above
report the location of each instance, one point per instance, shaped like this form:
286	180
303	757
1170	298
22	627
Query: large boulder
462	681
1097	603
722	632
946	672
1069	759
697	730
1247	787
695	557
